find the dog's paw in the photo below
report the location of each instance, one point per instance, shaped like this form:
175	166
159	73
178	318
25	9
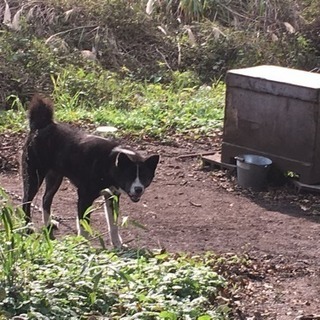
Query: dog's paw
115	238
54	224
119	245
83	233
51	235
30	228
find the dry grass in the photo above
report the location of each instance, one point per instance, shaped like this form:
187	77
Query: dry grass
39	38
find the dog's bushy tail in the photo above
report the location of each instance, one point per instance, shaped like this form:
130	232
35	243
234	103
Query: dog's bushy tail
40	112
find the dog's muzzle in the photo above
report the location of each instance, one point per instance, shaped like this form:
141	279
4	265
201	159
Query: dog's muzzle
134	198
136	195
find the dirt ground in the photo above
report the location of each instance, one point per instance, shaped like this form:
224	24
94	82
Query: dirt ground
191	209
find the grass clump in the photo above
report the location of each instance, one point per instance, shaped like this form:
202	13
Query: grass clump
69	279
183	106
160	110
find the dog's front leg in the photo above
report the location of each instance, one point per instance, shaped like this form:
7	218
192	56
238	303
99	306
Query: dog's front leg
85	200
112	221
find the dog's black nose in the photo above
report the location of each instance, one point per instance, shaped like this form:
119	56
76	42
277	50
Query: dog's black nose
138	190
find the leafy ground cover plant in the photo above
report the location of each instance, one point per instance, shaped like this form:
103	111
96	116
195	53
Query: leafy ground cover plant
154	109
70	279
144	108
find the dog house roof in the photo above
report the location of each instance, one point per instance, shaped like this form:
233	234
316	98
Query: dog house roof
276	80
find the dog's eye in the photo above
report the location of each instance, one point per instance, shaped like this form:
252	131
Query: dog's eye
145	176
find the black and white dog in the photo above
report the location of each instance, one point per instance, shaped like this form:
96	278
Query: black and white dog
55	150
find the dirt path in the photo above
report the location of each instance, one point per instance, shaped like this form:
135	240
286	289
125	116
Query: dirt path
192	210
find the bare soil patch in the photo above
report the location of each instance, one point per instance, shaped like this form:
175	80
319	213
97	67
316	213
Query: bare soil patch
189	209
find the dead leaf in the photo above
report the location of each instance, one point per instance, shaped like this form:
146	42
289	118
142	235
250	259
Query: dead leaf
7	14
191	36
198	205
15	25
289	27
149	7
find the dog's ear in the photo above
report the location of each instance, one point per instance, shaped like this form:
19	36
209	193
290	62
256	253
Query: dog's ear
152	162
123	160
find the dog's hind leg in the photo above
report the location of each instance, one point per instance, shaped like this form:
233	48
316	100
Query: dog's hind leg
112	221
32	180
53	182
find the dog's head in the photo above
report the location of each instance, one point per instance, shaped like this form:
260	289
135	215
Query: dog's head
134	173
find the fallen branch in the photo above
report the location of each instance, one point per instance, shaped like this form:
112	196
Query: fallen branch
194	155
198	205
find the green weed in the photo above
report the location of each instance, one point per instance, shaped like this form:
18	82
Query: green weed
15	245
43	279
154	109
